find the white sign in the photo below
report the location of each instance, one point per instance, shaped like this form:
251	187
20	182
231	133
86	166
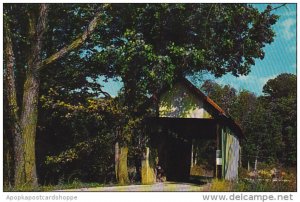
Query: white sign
219	161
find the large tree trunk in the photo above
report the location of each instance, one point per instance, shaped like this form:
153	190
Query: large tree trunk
31	94
24	128
13	108
28	125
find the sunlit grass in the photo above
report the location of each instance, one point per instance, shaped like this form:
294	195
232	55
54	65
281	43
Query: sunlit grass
254	185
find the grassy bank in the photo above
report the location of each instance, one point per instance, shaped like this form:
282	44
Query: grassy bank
258	185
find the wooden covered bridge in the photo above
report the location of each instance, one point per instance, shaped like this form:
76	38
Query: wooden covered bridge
185	114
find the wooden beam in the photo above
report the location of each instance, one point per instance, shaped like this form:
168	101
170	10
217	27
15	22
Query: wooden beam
218	173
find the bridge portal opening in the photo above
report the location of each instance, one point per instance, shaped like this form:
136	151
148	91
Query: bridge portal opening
185	147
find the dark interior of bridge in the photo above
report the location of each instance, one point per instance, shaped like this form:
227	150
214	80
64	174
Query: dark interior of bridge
173	139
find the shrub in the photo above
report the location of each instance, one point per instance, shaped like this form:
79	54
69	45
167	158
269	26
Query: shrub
221	185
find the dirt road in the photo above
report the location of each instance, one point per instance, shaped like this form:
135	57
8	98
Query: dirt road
166	186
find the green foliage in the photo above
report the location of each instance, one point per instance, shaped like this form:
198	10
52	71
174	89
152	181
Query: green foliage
224	96
252	186
283	86
281	95
268	121
264	186
81	138
263	134
221	185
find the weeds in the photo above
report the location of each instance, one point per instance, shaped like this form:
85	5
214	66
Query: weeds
257	185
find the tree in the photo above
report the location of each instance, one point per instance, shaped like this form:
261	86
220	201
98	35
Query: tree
224	96
263	135
76	139
270	126
284	85
243	106
281	96
220	38
25	120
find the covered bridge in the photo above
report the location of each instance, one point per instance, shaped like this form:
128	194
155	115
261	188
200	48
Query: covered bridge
185	114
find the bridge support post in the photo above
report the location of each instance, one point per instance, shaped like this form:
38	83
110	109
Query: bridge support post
218	173
147	175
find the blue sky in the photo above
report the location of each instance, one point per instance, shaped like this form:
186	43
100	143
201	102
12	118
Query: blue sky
280	56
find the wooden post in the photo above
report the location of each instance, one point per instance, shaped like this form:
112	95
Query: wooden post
192	155
147	175
248	166
122	167
117	159
255	164
240	157
218	174
195	147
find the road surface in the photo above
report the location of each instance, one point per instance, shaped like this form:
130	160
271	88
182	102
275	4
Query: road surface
157	187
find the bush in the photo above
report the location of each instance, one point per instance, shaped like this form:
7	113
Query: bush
264	186
221	185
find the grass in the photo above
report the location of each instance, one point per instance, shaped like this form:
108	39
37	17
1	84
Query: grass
262	182
45	188
257	185
76	184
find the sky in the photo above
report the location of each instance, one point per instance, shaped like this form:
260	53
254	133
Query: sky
280	56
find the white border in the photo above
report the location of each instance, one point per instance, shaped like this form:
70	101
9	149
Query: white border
137	196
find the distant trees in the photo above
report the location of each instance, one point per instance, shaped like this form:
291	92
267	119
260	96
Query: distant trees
281	96
225	96
268	121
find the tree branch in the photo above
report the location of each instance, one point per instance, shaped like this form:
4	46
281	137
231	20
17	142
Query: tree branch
36	32
75	44
278	7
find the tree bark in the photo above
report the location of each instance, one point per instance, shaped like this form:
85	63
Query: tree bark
13	107
28	125
31	94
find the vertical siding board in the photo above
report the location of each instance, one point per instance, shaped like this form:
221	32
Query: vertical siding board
223	153
231	155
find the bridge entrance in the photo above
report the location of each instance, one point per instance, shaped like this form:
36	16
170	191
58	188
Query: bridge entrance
174	140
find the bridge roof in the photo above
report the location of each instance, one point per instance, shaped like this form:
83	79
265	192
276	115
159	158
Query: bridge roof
222	115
